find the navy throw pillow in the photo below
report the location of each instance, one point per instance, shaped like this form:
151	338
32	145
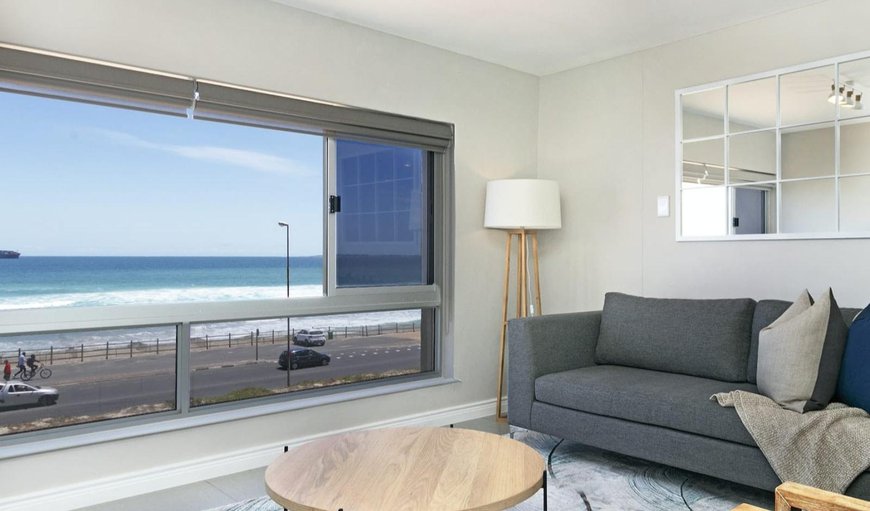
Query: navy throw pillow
853	387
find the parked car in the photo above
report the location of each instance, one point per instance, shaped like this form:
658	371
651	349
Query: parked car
297	358
310	338
16	393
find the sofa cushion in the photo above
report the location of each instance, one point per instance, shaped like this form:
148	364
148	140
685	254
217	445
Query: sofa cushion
707	338
669	400
853	387
766	312
799	354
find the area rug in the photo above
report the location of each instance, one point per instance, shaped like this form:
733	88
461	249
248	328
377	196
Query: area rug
583	478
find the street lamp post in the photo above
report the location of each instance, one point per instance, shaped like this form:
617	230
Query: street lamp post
286	226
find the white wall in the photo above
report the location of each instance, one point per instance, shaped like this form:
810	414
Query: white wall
613	158
262	44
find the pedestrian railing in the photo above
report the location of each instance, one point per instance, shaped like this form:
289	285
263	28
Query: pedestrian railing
128	349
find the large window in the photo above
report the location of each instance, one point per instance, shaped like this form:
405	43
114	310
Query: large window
182	246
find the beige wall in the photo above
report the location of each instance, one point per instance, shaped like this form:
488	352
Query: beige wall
613	157
266	45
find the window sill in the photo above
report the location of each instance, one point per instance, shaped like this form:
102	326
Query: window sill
53	441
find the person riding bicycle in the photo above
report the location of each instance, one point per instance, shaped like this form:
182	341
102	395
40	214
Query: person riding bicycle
31	362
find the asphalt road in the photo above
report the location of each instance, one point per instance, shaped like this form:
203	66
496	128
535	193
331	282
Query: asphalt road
104	387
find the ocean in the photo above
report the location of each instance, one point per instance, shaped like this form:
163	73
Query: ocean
44	282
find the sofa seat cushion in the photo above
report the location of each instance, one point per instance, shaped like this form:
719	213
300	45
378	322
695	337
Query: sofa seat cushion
675	401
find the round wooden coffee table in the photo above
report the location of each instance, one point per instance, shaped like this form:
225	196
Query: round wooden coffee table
418	469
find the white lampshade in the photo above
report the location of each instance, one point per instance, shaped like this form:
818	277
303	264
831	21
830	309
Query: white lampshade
522	204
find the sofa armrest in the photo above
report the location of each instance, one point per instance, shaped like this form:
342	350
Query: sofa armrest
542	345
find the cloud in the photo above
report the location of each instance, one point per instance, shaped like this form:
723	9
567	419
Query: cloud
254	160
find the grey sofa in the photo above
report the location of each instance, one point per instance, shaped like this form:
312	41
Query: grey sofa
636	379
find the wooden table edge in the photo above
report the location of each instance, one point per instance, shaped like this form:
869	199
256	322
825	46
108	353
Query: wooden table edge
494	506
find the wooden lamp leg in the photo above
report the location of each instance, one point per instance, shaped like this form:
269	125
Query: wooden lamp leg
501	349
538	310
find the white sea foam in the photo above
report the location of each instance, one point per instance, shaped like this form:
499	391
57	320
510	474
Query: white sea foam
335	322
151	296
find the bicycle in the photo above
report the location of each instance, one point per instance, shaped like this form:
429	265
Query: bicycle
44	372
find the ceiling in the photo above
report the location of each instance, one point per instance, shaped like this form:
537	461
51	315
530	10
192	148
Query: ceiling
546	36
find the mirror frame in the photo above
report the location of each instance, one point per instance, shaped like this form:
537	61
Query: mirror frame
778	129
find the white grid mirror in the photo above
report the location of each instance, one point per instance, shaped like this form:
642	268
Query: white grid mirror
777	155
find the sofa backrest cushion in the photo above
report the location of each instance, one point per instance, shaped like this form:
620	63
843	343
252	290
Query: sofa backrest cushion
766	312
707	338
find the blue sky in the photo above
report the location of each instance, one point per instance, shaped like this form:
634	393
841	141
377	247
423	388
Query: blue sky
78	179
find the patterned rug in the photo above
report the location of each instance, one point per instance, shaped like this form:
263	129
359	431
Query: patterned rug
583	478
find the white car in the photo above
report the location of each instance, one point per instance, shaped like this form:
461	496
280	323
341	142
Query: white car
310	338
16	393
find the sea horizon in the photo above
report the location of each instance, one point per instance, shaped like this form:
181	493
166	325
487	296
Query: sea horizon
84	281
114	280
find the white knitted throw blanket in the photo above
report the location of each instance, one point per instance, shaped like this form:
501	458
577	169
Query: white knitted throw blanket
826	449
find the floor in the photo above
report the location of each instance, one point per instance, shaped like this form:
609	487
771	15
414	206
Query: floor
232	488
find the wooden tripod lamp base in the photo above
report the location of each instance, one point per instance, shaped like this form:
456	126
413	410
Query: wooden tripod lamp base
526	305
522	207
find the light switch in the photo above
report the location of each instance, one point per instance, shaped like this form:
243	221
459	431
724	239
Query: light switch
664	205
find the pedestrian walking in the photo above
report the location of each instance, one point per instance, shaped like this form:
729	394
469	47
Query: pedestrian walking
7	370
22	363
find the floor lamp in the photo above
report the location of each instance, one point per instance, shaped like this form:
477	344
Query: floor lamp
521	207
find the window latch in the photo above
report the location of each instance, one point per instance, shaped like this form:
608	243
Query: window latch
335	203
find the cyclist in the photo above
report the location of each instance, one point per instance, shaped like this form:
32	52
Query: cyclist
31	363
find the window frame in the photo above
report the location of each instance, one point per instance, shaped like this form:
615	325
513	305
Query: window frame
336	121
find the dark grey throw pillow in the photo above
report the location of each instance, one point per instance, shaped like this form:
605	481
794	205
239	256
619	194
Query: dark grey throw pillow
799	354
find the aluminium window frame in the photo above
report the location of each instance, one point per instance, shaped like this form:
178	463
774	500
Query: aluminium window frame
105	84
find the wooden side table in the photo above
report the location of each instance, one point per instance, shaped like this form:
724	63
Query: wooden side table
419	469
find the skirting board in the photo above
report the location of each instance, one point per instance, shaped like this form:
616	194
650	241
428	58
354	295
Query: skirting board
109	489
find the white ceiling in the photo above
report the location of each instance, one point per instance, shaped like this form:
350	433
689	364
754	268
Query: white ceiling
546	36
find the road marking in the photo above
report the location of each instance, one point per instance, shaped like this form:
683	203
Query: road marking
350	356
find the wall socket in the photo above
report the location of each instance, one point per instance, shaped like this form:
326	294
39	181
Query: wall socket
663	204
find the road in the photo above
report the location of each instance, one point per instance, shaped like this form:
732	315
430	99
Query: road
106	387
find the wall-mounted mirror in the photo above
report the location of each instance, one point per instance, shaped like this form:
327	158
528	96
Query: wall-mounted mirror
752	105
805	96
784	154
704	113
854	82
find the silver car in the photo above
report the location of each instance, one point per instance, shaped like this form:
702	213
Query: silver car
310	338
16	393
